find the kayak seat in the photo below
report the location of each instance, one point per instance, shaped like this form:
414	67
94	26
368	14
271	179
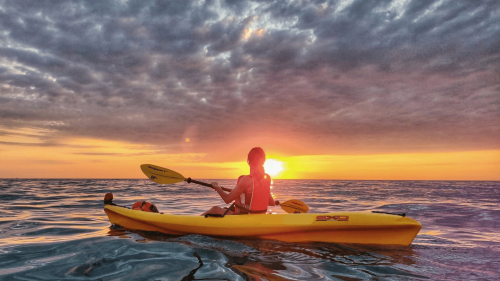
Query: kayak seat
214	215
231	208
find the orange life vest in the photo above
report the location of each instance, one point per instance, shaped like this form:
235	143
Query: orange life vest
145	206
258	201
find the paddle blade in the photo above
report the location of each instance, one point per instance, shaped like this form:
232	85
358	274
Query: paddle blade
161	175
294	206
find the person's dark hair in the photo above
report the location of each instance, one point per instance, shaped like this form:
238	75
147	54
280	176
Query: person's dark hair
256	159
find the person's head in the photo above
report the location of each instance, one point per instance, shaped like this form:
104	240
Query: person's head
256	158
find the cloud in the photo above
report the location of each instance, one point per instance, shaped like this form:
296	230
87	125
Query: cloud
54	162
46	144
208	168
348	76
26	144
101	154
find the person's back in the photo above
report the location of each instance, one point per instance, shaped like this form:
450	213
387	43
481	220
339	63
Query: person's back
255	198
252	193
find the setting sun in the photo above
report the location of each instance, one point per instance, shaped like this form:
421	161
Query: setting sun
273	167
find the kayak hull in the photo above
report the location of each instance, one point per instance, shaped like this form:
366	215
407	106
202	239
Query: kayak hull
337	227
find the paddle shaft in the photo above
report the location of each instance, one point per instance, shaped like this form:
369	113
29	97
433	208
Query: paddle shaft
165	176
190	180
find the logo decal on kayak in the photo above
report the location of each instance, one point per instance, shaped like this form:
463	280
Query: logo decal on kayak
332	218
153	177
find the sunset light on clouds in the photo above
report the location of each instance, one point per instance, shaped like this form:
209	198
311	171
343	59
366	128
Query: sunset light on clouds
329	89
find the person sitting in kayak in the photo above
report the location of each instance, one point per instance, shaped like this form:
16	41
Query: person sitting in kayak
252	193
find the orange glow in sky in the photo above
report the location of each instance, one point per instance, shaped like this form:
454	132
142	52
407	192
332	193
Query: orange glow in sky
247	33
21	157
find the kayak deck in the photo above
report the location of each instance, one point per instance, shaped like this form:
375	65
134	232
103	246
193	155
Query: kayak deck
338	227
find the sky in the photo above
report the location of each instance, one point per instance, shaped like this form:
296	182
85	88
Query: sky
401	89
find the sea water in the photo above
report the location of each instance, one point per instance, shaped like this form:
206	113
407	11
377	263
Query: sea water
57	230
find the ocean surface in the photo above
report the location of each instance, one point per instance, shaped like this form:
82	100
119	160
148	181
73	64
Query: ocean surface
57	230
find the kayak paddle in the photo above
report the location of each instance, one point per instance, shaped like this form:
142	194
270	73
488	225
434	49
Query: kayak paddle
166	176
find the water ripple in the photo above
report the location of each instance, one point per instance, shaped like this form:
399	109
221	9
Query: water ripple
57	230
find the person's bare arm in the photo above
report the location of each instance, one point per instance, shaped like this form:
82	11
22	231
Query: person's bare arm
235	193
271	200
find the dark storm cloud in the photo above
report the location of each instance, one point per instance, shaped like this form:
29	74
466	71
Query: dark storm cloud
350	75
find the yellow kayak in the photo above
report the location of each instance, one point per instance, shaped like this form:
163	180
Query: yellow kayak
336	227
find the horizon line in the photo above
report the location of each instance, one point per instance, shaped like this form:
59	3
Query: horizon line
235	179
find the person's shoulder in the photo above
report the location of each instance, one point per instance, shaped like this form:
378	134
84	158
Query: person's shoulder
245	179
